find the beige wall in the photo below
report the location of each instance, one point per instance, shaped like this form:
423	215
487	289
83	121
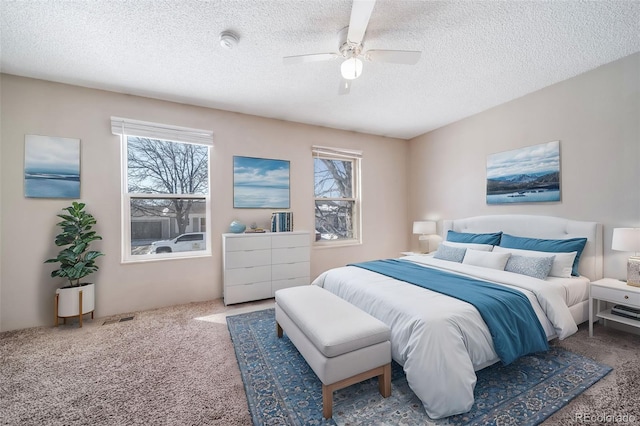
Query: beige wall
596	117
1	184
28	225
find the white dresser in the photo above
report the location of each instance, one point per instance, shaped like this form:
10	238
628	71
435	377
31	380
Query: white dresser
256	265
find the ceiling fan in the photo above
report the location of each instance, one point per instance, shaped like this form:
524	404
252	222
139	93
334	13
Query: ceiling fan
351	48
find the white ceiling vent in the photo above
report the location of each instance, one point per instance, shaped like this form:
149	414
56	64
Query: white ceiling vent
228	39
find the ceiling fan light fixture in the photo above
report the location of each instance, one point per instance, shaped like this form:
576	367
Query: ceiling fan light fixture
351	68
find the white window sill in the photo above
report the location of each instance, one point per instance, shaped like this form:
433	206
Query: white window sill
336	243
160	258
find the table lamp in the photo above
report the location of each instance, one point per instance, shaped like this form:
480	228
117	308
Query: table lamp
628	239
427	232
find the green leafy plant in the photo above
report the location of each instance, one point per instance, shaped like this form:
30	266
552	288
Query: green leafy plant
76	260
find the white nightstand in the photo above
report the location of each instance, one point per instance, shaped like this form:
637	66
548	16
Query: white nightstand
614	291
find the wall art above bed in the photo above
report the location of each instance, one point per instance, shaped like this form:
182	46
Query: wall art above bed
524	175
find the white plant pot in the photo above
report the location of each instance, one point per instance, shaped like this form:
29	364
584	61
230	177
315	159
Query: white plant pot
69	301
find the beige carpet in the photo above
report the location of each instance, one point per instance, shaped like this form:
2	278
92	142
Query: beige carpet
176	366
171	366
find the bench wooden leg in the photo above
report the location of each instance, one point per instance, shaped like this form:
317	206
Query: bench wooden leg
384	386
327	401
278	330
384	381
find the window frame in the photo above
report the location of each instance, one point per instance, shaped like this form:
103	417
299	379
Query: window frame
355	157
126	128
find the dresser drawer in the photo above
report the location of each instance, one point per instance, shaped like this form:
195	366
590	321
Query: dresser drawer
290	240
291	282
290	255
247	243
248	275
290	270
247	258
243	293
621	296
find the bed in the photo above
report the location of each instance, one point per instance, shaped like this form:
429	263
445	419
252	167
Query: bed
442	341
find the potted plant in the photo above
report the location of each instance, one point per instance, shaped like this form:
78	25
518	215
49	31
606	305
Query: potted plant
76	262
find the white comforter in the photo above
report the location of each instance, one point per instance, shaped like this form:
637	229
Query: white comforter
441	341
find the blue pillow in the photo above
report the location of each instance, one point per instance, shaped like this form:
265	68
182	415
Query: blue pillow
550	246
450	253
463	237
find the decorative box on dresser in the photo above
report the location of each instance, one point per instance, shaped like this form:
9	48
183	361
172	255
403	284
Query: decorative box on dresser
615	292
255	265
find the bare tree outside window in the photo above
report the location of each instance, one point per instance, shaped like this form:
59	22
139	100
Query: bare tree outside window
335	198
163	167
167	187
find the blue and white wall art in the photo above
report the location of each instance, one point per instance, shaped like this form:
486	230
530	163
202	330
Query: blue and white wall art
260	183
525	175
51	167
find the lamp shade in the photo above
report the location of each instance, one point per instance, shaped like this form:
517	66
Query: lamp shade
424	227
626	239
351	68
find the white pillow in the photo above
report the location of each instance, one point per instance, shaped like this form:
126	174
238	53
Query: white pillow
475	246
486	259
562	264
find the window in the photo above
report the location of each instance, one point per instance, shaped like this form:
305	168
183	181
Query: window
165	196
337	195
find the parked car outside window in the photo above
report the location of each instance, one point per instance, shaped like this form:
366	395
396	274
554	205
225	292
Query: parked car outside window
185	242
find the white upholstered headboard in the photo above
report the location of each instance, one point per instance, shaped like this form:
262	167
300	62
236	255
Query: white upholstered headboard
591	262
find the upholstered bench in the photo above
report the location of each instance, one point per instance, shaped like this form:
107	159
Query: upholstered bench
342	344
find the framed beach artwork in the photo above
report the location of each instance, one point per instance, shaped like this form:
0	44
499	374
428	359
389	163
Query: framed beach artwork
525	175
51	167
260	183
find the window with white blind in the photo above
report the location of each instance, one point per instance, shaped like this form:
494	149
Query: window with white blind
337	195
165	190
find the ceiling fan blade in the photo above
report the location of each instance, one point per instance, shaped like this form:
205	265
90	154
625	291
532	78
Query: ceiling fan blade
408	57
314	57
345	87
360	14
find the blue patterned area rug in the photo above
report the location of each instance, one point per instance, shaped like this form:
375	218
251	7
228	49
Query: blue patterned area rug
283	390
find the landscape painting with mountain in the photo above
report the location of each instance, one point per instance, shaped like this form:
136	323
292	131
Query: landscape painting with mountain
525	175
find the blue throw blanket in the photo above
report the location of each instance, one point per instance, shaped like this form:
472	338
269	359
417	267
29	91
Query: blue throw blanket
513	324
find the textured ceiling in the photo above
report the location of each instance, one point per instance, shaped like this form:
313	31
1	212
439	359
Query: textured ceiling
475	54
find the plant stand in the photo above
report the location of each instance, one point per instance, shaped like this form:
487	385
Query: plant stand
67	312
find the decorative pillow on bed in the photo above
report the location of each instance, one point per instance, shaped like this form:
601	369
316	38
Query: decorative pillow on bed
550	246
475	246
453	254
537	267
486	259
464	237
562	263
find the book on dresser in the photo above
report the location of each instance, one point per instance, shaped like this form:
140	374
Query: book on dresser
282	221
256	265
